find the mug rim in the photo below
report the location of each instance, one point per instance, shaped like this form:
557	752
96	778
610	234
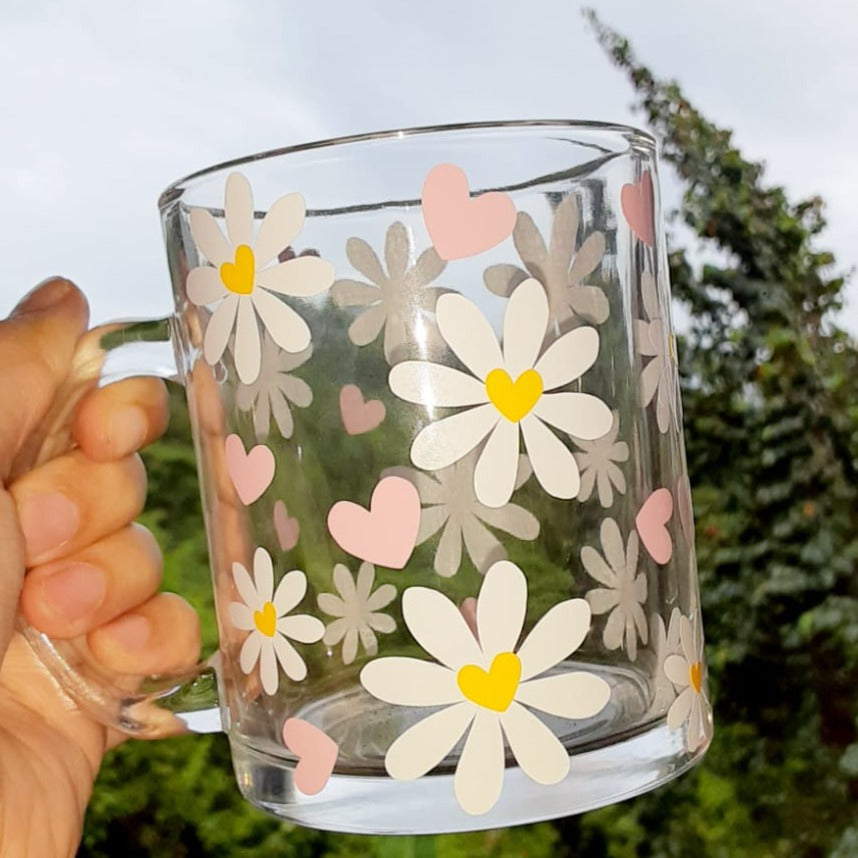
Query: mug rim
175	189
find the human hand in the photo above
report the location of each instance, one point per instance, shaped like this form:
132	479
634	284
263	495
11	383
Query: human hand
89	570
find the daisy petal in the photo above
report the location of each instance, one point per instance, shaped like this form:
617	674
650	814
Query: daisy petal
355	293
281	224
219	329
363	258
382	597
209	239
350	644
448	554
650	378
501	606
676	669
381	623
204	286
250	652
291	589
697	723
469	334
421	747
596	567
612	544
238	210
331	604
680	709
438	626
246	588
553	464
365	579
434	385
288	329
479	775
263	575
502	279
512	519
602	600
335	632
268	666
568	358
365	328
432	519
579	414
687	639
440	444
568	695
556	636
248	346
524	326
494	476
302	277
429	489
344	582
536	749
410	682
241	616
292	663
612	634
483	546
302	628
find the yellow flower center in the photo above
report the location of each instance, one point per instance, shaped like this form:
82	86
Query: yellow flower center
695	676
514	399
266	620
239	276
493	689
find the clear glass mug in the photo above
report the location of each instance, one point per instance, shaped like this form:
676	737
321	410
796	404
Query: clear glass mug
433	388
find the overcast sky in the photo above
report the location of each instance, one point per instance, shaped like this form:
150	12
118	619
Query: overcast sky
102	104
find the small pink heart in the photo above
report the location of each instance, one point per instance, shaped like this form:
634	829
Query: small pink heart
316	752
637	202
288	529
359	416
251	473
651	523
458	225
384	535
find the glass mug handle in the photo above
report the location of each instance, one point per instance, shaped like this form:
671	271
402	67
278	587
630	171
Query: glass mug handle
146	707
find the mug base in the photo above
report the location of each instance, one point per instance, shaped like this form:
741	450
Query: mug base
358	804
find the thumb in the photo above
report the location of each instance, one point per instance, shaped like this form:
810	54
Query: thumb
37	343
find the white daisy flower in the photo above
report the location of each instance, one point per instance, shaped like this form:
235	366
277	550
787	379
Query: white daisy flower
664	642
356	611
263	614
488	685
658	379
624	592
245	276
505	393
686	671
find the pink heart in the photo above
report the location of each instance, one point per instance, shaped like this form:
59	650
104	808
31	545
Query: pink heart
384	535
287	528
251	473
637	203
651	523
358	415
316	752
458	225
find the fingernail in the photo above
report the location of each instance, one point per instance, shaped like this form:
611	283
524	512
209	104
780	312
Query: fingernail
127	429
48	521
76	591
132	632
47	294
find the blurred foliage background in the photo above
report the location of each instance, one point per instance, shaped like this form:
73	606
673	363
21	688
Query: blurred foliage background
770	396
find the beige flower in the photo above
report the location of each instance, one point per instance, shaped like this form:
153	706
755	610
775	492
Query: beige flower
398	301
356	611
624	590
665	642
274	389
596	462
451	506
687	671
654	340
560	268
